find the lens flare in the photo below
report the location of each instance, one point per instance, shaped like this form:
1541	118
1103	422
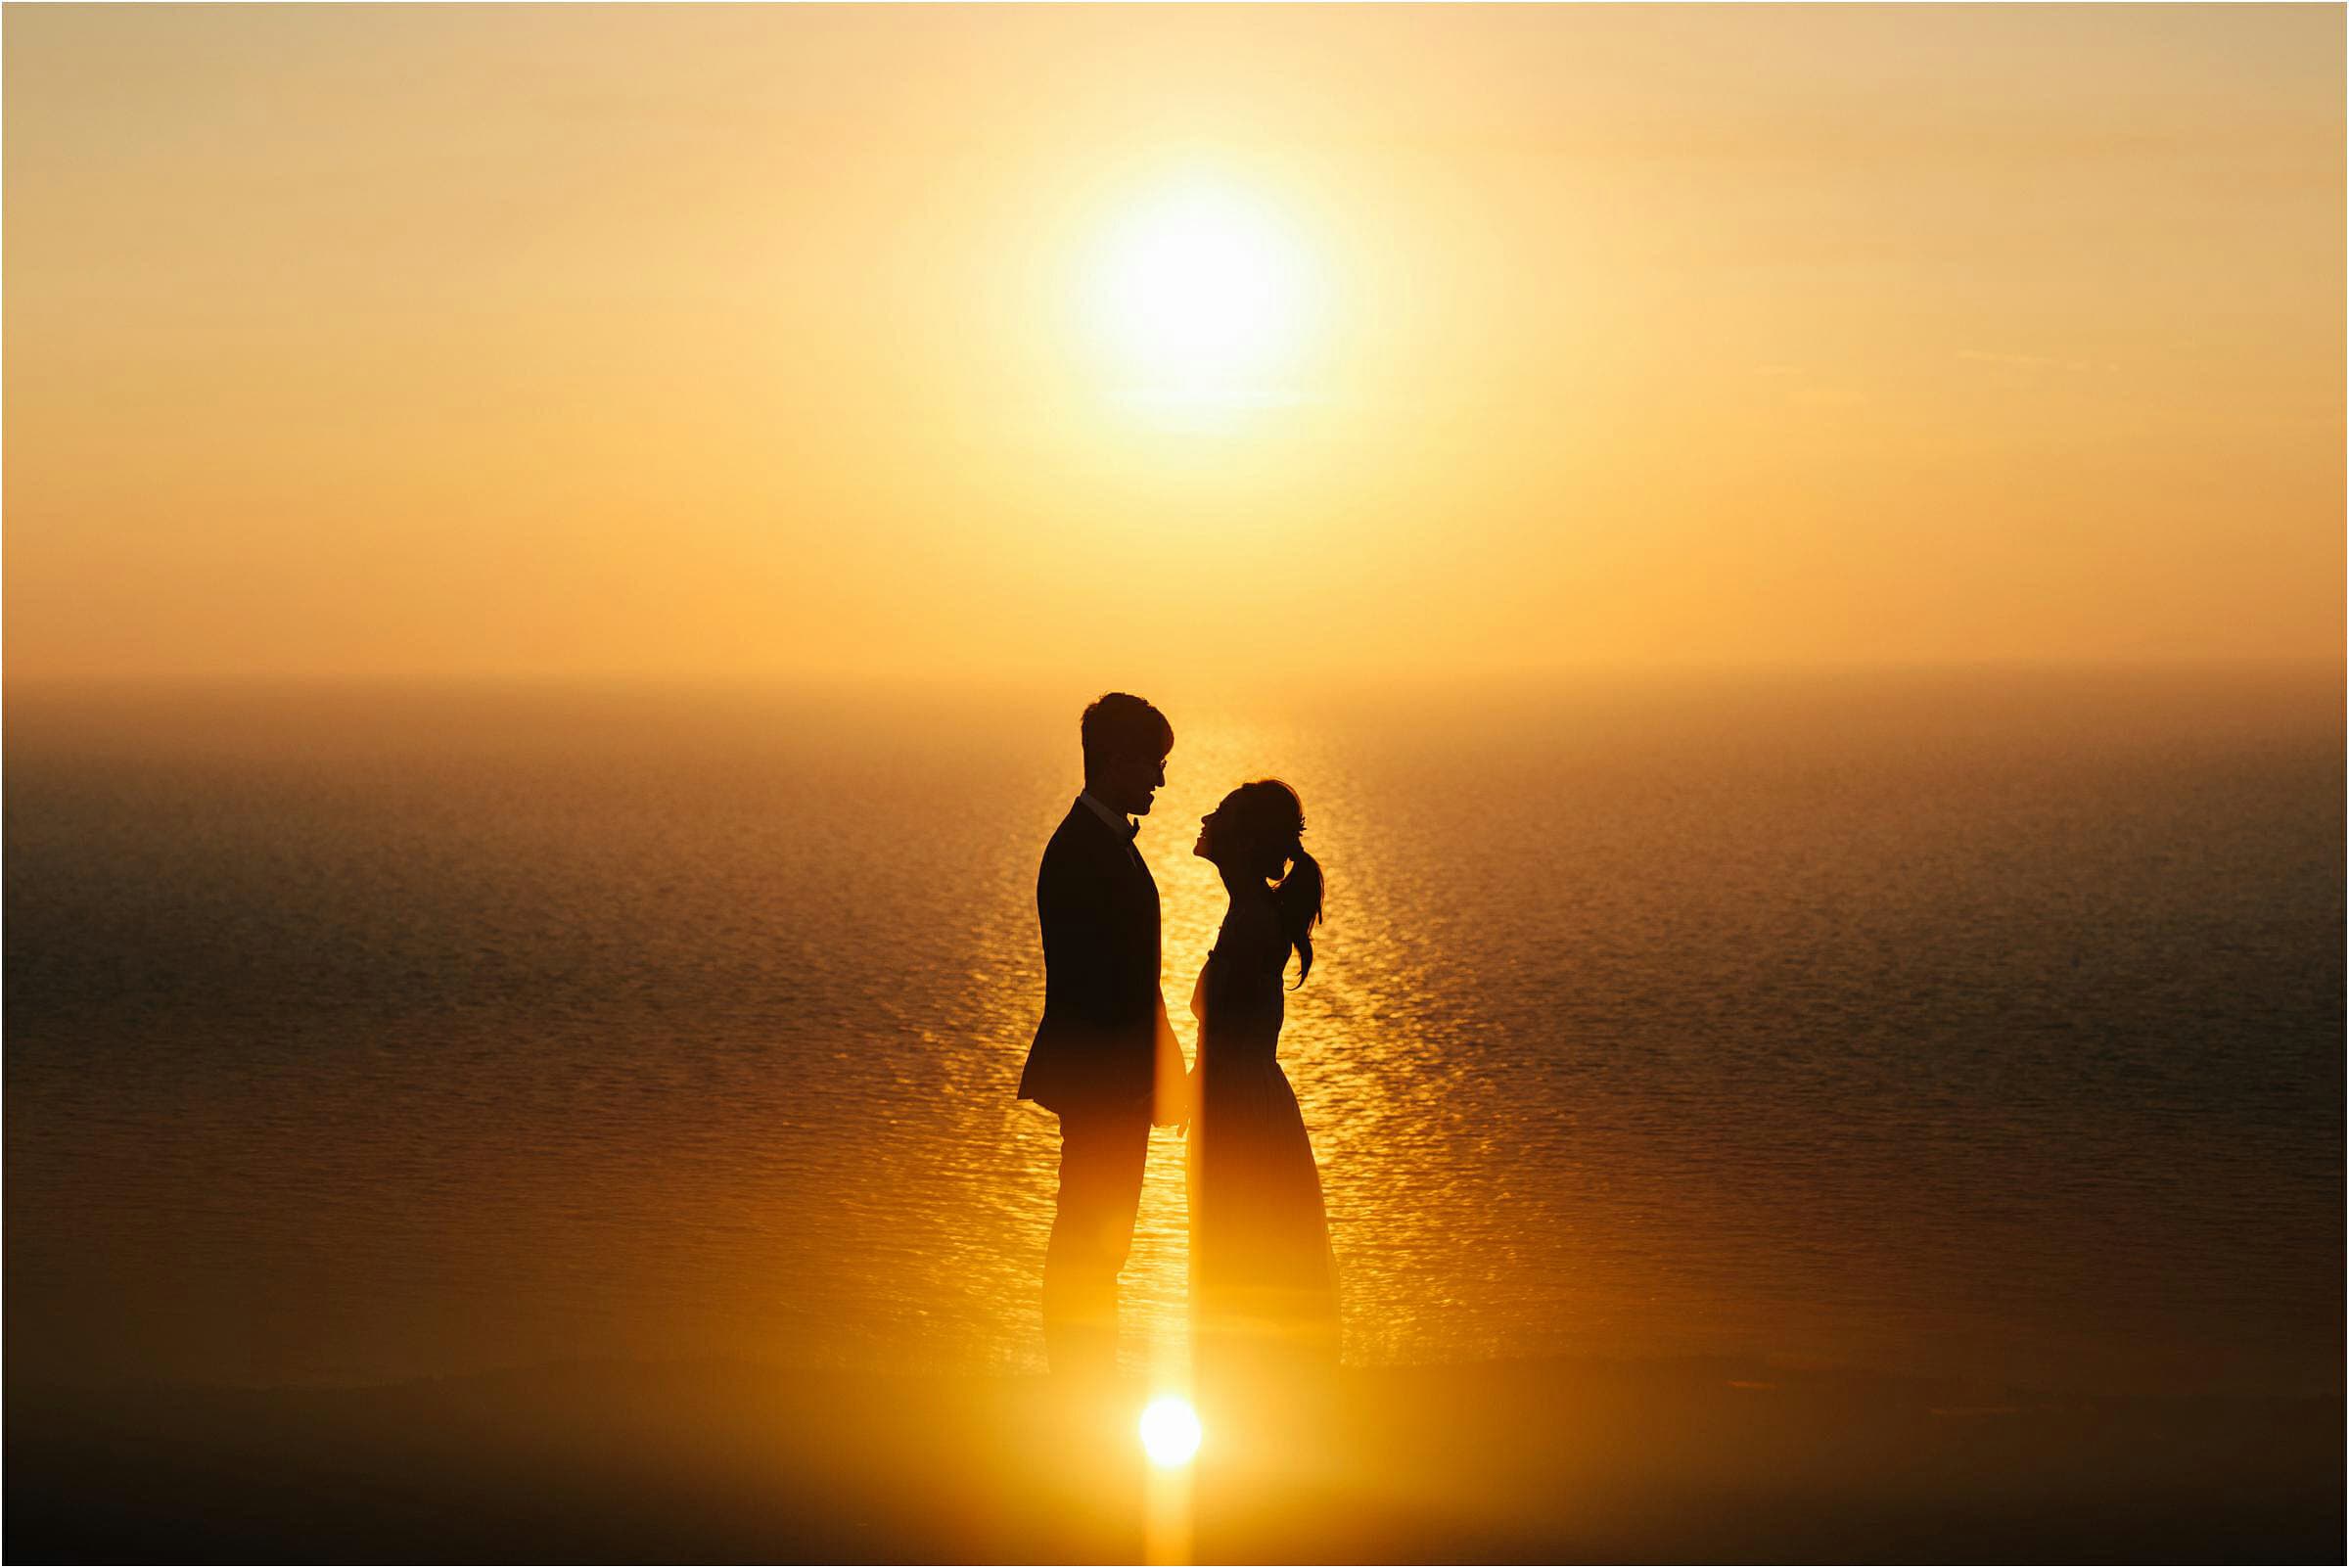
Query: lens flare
1170	1432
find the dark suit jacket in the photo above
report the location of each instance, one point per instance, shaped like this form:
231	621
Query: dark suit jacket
1104	1043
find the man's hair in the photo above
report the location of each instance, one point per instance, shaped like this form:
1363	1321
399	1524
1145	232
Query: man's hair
1121	724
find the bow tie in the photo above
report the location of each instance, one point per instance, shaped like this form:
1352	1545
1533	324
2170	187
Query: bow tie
1134	830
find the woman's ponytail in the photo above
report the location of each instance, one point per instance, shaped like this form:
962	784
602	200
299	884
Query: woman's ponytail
1298	896
1265	820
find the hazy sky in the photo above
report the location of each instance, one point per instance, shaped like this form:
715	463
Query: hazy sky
748	340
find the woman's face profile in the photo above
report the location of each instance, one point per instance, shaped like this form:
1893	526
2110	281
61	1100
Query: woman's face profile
1215	830
1205	847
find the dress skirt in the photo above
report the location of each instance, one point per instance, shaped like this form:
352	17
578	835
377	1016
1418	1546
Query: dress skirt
1263	1280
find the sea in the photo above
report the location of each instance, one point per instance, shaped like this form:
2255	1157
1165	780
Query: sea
1983	1025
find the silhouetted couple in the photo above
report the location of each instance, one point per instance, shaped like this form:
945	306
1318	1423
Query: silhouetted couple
1105	1059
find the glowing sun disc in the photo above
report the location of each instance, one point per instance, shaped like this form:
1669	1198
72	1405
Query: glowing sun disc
1170	1432
1203	286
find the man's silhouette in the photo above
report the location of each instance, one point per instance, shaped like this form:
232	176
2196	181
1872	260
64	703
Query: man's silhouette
1104	1059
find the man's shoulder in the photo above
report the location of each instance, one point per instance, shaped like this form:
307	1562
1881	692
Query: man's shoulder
1072	825
1081	836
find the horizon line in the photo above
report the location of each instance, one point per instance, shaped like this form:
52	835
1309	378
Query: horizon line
965	677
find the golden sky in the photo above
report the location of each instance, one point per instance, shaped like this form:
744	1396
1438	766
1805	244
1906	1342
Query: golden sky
359	339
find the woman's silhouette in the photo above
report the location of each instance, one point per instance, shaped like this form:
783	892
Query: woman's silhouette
1263	1283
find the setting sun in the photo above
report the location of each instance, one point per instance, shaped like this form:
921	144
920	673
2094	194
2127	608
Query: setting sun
1201	291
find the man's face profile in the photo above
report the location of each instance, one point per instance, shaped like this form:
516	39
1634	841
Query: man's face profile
1130	779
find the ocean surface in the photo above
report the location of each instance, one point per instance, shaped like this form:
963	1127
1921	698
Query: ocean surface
1986	1025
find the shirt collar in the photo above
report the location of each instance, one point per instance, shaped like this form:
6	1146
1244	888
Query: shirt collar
1125	826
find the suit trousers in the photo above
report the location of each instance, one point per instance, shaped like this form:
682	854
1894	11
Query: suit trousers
1102	1153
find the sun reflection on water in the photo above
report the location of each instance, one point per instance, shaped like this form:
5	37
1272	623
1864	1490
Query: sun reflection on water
1169	1431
